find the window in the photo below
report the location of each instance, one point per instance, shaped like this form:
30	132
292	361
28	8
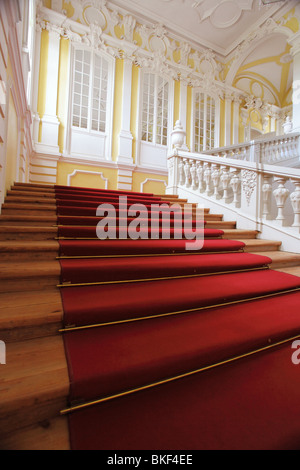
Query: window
90	87
204	122
155	111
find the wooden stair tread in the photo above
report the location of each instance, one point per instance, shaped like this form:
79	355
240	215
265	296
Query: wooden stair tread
29	269
46	435
44	207
26	193
28	245
283	258
35	185
260	245
34	383
233	234
294	270
27	218
25	228
29	200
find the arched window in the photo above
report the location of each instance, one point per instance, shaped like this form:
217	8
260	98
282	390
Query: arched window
204	122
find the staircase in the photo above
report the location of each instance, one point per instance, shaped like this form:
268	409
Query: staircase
34	383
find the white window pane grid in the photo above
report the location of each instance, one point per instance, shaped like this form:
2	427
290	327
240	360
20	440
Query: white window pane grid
90	90
204	122
155	109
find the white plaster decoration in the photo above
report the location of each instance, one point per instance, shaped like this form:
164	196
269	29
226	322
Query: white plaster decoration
75	172
249	180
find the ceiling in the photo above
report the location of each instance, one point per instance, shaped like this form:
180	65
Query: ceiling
219	25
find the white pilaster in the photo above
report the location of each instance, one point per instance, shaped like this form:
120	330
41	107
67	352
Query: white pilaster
228	101
236	120
183	110
50	123
35	84
125	136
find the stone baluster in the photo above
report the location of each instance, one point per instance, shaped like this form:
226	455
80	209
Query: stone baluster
235	184
225	181
215	176
295	200
181	173
207	178
200	174
266	196
194	175
187	172
281	195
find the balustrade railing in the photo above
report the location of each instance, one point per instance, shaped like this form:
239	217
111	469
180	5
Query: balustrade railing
265	196
276	150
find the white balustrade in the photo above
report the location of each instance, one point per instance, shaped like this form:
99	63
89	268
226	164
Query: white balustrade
274	150
258	195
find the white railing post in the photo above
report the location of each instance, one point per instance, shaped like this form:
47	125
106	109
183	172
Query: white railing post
266	196
295	201
236	183
225	180
281	195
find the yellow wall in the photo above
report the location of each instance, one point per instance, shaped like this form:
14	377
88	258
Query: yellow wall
84	179
62	91
155	187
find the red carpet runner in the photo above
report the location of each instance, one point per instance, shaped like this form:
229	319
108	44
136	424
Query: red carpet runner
170	349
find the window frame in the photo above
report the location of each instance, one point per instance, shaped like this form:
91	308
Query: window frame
107	135
206	96
155	111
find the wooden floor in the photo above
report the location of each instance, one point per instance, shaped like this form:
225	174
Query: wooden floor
34	384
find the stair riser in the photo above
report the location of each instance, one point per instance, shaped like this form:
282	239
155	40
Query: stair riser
38	236
27	223
28	256
37	194
42	409
29	333
24	211
26	285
